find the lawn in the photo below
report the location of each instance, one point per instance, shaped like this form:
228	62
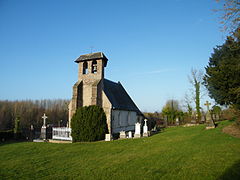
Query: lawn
175	153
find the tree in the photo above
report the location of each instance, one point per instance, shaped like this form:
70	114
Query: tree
196	79
171	111
230	14
16	129
89	124
216	112
222	78
187	104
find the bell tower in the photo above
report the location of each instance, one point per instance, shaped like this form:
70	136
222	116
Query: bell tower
88	89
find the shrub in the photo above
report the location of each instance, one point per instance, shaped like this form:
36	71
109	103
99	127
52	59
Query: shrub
6	135
89	124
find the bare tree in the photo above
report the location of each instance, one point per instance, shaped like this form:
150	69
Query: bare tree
230	18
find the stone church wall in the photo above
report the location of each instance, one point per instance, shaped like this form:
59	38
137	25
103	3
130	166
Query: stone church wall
107	107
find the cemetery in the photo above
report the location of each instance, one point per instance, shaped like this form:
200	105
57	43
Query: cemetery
108	137
176	153
120	90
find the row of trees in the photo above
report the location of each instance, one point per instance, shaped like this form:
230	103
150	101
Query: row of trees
30	112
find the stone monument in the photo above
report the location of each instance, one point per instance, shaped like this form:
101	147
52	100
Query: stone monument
31	133
44	128
177	121
137	133
108	137
145	128
130	134
122	135
210	123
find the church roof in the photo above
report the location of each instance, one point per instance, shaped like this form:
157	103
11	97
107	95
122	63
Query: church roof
118	96
91	56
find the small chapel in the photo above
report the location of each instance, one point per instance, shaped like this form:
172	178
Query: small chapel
93	89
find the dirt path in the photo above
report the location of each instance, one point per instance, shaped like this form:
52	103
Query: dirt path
233	130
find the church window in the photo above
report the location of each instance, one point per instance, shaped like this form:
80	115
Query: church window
85	68
94	66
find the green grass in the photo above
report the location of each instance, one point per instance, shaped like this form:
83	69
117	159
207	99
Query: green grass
176	153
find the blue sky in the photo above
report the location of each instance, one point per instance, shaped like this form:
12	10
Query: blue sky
151	45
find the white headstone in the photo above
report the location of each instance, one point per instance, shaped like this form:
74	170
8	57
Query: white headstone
137	133
122	135
177	121
108	137
145	127
130	134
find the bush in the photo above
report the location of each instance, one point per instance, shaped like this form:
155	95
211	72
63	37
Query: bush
6	135
89	123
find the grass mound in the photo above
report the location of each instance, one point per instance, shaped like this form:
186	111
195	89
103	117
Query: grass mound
176	153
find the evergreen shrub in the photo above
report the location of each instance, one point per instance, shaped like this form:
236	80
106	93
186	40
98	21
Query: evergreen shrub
6	135
89	123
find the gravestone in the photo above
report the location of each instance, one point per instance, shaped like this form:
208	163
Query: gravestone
122	135
203	117
210	123
177	121
137	133
130	134
145	128
108	137
31	133
44	128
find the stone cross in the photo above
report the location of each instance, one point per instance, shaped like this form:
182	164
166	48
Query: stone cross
145	128
145	120
44	120
207	104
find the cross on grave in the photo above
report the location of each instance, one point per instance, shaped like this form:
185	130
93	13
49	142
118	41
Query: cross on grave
207	104
44	119
145	120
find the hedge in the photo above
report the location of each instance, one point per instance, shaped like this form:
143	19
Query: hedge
6	135
89	123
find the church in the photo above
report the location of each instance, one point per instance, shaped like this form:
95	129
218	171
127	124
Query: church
93	89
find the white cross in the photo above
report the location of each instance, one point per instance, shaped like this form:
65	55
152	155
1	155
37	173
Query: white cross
145	122
44	120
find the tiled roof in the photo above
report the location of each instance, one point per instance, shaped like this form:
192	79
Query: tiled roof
91	56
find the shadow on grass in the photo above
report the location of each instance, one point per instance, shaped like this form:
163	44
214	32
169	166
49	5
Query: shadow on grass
12	142
231	173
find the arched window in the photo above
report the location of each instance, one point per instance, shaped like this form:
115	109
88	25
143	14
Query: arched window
85	68
94	66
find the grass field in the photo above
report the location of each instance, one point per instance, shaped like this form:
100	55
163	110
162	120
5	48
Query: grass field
176	153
